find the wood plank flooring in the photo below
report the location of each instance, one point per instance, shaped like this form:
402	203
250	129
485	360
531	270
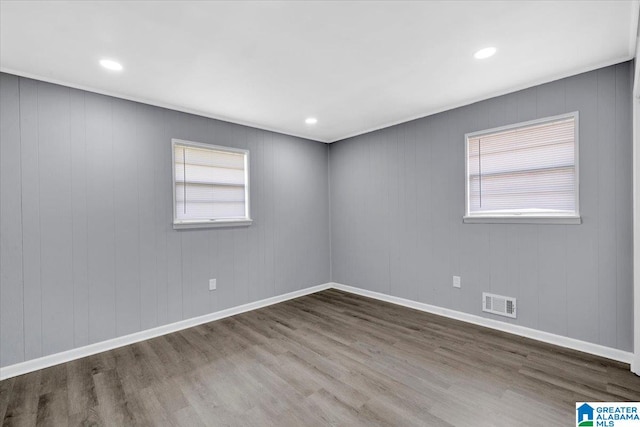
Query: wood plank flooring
330	358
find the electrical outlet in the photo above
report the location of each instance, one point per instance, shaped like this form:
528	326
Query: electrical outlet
456	281
212	284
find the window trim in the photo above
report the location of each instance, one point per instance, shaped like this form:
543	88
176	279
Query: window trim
211	223
523	218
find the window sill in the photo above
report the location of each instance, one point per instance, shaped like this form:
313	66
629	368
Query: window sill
566	220
212	224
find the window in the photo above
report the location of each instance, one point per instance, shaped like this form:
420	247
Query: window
210	185
527	172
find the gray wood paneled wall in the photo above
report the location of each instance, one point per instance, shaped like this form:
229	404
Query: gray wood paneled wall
88	253
87	250
397	201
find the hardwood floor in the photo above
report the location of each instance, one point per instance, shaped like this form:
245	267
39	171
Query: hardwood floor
330	358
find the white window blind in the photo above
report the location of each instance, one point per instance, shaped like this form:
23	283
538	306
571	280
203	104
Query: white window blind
210	183
529	170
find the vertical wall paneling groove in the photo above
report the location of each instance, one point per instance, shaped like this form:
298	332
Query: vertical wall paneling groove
253	139
150	245
101	220
126	217
226	247
174	240
624	203
607	246
423	206
12	348
582	260
549	100
78	149
85	205
30	206
55	217
240	237
570	280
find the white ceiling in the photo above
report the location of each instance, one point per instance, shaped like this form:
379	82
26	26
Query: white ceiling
356	66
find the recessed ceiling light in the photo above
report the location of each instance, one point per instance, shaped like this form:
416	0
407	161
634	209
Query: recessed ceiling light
111	65
485	53
311	121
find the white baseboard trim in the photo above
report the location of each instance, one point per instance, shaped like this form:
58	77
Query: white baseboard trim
559	340
77	353
635	364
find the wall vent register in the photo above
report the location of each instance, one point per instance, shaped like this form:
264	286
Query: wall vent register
498	304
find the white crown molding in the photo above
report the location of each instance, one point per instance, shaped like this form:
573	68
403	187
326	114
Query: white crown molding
559	340
485	97
159	104
385	125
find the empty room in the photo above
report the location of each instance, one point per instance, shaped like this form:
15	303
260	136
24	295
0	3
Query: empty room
311	213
